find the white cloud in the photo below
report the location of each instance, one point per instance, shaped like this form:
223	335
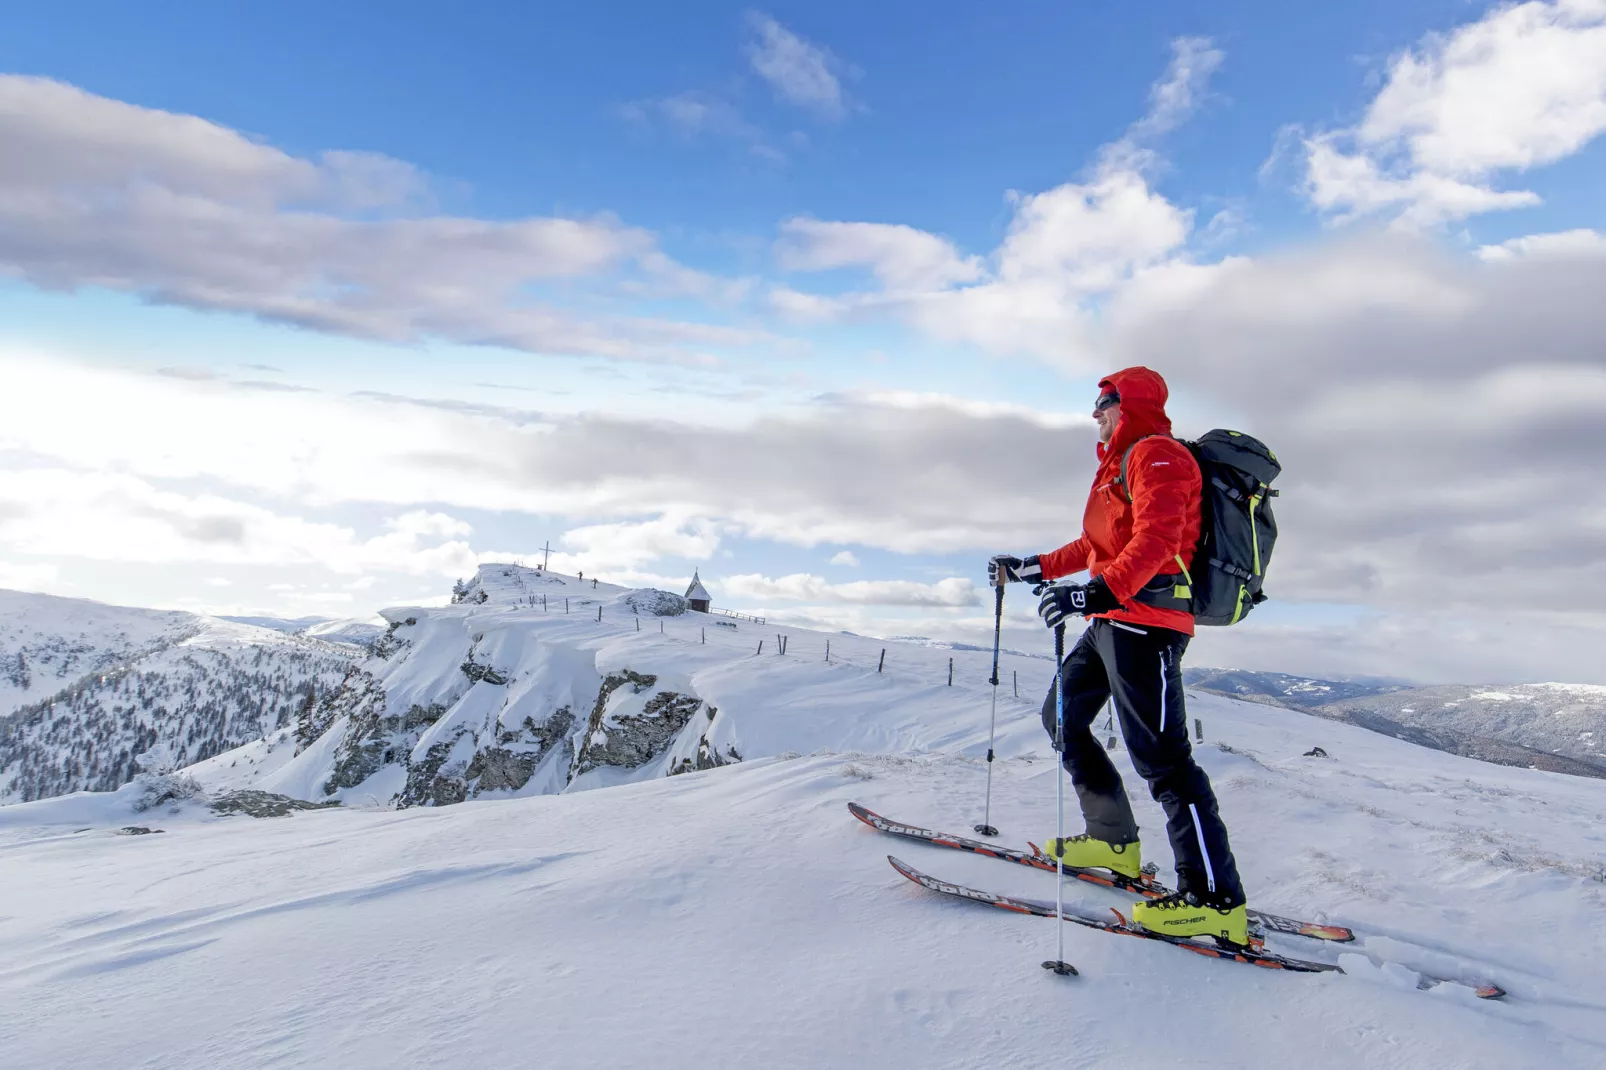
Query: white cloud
901	257
97	192
1522	87
1065	247
845	559
775	476
803	587
1172	100
694	112
623	547
1582	243
801	73
63	513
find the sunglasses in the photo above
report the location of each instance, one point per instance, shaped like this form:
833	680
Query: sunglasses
1106	401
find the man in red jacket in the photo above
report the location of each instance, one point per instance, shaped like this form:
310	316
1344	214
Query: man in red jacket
1138	536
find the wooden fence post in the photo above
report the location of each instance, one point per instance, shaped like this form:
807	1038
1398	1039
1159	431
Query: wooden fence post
950	672
828	651
1015	677
1198	730
761	646
883	662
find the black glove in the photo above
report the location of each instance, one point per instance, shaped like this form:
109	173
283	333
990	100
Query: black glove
1076	598
1004	568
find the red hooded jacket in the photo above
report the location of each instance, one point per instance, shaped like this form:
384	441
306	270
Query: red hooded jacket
1131	542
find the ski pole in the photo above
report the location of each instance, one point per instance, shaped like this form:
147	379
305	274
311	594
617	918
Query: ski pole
986	826
1058	964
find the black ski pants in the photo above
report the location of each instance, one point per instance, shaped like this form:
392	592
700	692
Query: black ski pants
1140	667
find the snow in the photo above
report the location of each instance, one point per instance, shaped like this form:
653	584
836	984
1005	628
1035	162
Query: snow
740	917
47	643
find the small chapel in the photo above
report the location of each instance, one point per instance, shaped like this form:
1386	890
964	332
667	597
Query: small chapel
697	594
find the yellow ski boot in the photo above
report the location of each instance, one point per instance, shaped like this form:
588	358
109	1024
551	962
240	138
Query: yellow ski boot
1084	852
1183	914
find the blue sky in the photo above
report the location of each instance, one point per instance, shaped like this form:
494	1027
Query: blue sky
874	258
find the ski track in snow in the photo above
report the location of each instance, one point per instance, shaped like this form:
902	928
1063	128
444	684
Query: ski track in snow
741	917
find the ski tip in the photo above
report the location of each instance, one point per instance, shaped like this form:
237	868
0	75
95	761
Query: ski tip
1489	992
1336	933
1064	969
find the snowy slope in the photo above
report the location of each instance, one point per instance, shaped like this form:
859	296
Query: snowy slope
1564	719
47	643
125	680
500	695
739	917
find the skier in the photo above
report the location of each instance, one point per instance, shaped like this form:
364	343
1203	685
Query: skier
1137	536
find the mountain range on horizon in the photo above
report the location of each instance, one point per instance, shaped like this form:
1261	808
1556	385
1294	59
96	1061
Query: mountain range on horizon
87	687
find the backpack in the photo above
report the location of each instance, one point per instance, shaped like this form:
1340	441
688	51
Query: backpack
1236	530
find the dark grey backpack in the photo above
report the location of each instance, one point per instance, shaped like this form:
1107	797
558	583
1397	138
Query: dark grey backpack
1236	531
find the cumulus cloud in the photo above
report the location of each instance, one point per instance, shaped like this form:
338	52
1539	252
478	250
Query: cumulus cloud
1436	413
1064	247
1522	87
97	192
902	258
621	549
845	559
799	72
1583	243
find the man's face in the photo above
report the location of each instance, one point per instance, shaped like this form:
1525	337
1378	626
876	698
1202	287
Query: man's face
1107	416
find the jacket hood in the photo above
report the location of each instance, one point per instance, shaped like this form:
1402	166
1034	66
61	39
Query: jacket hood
1143	397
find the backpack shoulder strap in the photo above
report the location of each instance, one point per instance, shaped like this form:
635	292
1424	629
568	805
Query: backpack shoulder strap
1120	480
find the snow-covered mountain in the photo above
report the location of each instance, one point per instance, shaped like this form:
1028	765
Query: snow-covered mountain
1559	727
93	686
534	682
357	631
736	915
1281	689
47	643
1566	720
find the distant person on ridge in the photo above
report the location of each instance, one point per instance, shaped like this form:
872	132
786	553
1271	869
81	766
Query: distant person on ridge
1136	541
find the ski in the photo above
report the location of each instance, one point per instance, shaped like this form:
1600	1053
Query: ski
1253	954
1036	859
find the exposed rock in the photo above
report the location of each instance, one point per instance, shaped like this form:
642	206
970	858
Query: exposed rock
652	602
430	782
497	768
387	645
254	803
158	788
137	830
371	740
477	672
632	740
708	757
